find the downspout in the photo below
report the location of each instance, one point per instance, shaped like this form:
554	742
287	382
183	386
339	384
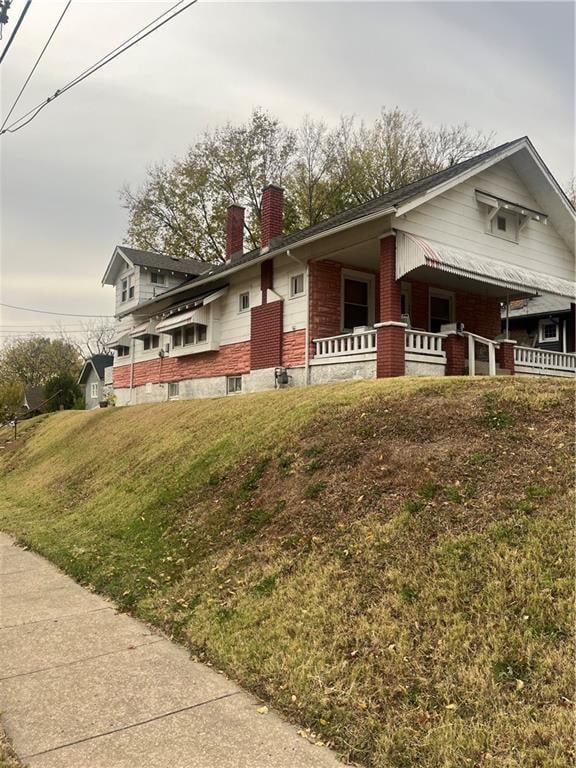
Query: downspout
133	345
307	327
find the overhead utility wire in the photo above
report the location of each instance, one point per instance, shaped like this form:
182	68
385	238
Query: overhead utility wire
18	124
15	30
35	65
46	312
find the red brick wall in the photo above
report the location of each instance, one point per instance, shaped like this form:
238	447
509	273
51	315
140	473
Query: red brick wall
389	287
272	214
480	314
266	278
228	360
266	335
325	299
455	347
390	356
294	348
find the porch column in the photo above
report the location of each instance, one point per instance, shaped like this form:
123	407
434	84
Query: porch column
505	355
455	347
390	331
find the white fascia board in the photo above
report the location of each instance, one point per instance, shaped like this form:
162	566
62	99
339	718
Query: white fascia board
264	256
117	251
464	176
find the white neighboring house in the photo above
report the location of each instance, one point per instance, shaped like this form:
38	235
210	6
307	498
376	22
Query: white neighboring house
411	283
95	380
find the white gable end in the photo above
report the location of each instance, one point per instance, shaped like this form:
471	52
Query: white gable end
456	219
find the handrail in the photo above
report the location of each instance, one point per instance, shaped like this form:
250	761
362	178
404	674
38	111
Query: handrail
492	347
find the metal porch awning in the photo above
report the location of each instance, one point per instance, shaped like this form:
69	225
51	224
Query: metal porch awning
146	329
198	315
122	340
413	252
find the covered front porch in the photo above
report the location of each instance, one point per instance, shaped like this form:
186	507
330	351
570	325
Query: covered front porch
420	310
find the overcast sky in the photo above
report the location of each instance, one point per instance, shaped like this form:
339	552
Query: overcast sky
502	67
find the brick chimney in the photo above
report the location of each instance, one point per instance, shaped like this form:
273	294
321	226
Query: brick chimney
272	213
234	232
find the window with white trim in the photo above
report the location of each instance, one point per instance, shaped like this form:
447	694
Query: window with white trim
244	301
94	390
233	384
296	285
127	289
548	331
122	351
357	300
157	278
151	342
505	224
173	390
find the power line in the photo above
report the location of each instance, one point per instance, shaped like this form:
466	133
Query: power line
15	30
118	51
35	65
47	312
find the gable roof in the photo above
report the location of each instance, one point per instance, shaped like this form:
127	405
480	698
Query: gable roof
34	398
396	202
97	363
152	260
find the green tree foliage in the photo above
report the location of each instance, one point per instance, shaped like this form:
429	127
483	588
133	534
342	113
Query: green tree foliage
11	398
181	207
33	361
62	391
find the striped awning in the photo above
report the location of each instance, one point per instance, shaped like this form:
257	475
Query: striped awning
413	252
146	329
198	315
122	340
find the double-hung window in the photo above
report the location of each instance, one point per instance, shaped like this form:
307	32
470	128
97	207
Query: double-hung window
244	301
127	288
94	390
297	285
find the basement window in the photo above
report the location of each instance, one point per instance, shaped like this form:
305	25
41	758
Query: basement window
174	390
233	384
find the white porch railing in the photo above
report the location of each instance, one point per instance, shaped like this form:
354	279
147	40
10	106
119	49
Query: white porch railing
346	344
544	363
492	345
423	343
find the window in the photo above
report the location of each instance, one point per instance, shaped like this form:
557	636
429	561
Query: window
151	342
200	333
127	289
244	302
189	334
356	303
122	351
548	331
94	390
405	299
173	389
157	278
297	285
177	338
233	384
505	224
441	309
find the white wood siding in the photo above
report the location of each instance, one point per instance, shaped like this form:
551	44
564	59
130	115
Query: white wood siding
455	218
295	309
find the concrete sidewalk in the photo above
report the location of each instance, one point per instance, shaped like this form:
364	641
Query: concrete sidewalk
82	686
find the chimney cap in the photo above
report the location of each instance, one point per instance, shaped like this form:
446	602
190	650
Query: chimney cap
273	186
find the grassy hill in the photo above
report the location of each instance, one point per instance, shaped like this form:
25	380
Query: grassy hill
389	563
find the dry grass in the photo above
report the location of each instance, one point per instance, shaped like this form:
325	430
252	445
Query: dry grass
8	758
389	563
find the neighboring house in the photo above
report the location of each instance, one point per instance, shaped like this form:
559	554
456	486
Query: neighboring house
93	379
544	322
33	402
410	283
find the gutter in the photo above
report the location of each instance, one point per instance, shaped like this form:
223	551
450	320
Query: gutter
271	254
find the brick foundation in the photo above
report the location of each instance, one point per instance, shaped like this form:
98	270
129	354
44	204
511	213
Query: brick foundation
455	348
266	335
